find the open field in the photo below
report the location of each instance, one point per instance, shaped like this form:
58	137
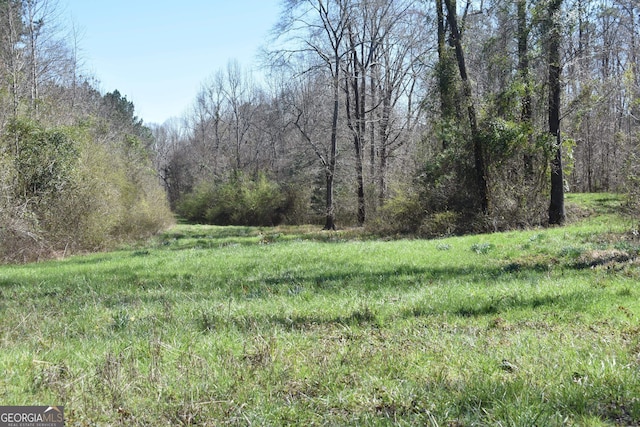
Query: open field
291	326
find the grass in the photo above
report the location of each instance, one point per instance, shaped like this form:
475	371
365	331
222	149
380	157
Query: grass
293	326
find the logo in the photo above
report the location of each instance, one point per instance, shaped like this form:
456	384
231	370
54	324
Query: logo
31	416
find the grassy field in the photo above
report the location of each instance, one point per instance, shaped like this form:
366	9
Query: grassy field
215	326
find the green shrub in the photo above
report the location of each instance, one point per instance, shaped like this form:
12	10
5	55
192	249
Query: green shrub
194	205
239	201
440	224
44	159
401	214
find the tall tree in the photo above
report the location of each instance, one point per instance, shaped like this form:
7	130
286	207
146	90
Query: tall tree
523	61
556	207
480	169
47	51
323	39
399	62
361	53
13	61
445	72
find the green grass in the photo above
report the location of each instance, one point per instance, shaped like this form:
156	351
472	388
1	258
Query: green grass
293	326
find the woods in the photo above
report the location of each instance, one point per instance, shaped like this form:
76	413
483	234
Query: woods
425	117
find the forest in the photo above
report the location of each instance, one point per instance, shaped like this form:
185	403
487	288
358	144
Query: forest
420	117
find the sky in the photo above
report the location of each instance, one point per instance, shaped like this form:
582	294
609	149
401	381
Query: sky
159	53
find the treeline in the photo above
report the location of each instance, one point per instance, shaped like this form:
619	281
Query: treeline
408	116
75	167
428	117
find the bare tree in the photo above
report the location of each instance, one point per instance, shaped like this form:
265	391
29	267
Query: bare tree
397	74
168	145
317	29
46	49
13	60
208	126
381	36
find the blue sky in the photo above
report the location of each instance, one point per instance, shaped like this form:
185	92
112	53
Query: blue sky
158	53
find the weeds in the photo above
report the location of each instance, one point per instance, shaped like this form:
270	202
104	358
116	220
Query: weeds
481	248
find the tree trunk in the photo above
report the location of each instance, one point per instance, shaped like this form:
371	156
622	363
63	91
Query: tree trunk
446	83
13	17
330	219
355	92
523	60
483	192
372	127
556	207
526	112
383	174
359	87
34	62
330	223
383	132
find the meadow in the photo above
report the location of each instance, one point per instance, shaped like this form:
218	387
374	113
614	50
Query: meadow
212	326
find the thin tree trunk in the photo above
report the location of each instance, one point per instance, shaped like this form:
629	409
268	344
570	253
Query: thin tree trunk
359	87
14	60
527	175
330	223
372	128
523	60
33	37
383	174
355	92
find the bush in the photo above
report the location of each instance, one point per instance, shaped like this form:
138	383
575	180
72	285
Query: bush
440	224
239	201
401	214
19	235
63	192
632	183
43	158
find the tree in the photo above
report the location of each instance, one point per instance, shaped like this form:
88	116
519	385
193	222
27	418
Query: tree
556	207
239	94
47	52
445	73
396	78
361	49
167	151
76	172
307	104
13	60
323	40
523	62
456	37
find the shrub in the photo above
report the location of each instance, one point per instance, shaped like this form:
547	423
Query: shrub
19	235
401	214
63	192
43	158
441	224
239	201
